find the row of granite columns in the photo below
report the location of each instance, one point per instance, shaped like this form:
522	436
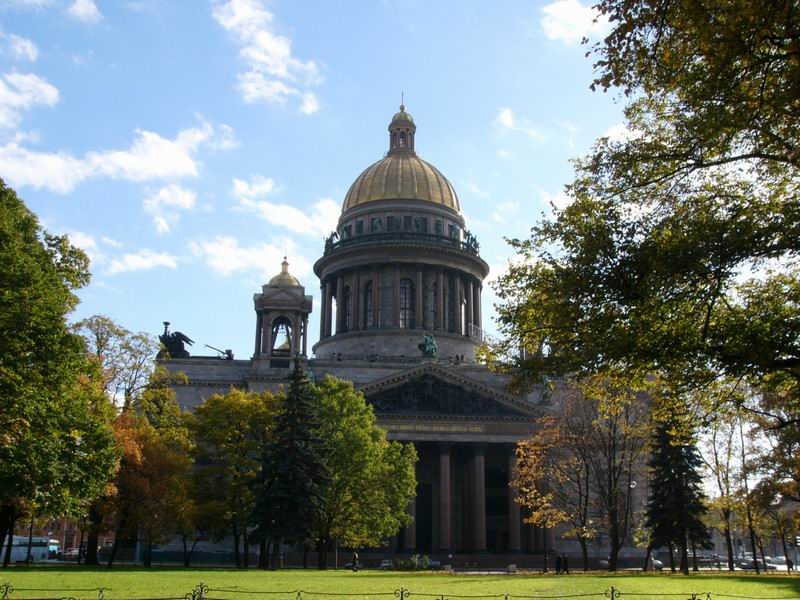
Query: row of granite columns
298	337
460	289
475	510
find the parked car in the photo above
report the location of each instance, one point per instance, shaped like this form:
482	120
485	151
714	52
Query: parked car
749	564
386	564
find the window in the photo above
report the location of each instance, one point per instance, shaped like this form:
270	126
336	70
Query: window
402	139
407	223
438	227
421	224
359	227
406	304
368	305
375	225
392	224
347	231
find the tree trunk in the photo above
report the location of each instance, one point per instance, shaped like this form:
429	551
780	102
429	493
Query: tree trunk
584	553
93	540
147	559
246	544
5	522
276	553
729	542
785	549
237	556
646	565
263	553
322	553
684	554
80	541
753	540
694	557
306	548
671	557
113	554
10	543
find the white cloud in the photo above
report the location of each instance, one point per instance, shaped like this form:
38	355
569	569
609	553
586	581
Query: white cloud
275	75
85	11
320	220
150	157
475	189
559	201
165	204
258	186
509	122
20	92
92	246
504	211
21	48
29	3
225	256
144	260
569	21
621	133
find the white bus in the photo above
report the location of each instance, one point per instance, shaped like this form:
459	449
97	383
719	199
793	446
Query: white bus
42	548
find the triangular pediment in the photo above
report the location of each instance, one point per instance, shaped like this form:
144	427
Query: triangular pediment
282	294
433	390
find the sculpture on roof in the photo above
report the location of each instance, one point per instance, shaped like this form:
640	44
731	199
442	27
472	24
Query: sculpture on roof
172	344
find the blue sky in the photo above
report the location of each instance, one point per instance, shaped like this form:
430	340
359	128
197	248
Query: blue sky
186	144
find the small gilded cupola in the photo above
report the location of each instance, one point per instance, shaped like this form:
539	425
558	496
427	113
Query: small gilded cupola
401	133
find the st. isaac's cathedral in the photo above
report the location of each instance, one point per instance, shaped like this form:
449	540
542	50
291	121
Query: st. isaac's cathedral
401	284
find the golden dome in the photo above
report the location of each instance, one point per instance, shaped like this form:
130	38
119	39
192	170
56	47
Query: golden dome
401	176
284	277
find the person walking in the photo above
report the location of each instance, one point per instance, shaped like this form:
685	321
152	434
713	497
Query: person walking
355	561
565	563
558	564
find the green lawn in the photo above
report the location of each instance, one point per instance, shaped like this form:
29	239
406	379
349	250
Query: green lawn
54	582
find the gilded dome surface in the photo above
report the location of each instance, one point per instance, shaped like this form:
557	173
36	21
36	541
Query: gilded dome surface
401	176
284	277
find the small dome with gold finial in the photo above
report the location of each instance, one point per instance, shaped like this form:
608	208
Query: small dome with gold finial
284	277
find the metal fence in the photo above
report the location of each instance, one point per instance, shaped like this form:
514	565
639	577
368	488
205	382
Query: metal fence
204	592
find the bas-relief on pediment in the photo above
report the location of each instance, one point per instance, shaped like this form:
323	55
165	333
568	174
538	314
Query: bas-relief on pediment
430	395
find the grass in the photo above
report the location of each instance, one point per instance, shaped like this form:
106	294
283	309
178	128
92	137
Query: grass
54	582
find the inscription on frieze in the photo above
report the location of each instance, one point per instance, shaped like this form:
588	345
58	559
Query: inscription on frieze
429	395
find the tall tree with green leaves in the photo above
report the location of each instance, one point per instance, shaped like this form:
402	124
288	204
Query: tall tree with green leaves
676	506
371	480
291	496
677	252
230	432
56	446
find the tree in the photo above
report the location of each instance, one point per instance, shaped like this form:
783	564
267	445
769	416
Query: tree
675	253
602	425
371	480
126	358
152	486
56	445
676	506
230	432
553	474
291	495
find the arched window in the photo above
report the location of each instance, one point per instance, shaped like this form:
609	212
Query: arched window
281	337
402	139
347	306
406	304
368	319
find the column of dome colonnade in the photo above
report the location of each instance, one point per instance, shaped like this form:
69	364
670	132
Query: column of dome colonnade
400	262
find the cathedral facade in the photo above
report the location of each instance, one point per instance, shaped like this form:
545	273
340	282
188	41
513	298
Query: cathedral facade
401	285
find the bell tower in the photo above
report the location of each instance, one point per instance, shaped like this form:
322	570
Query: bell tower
282	310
